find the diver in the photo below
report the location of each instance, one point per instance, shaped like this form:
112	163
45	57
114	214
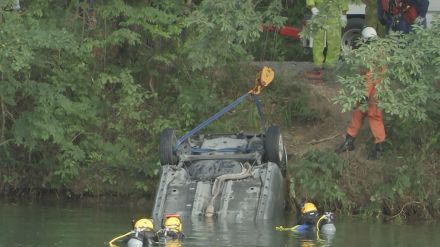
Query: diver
172	228
311	221
142	235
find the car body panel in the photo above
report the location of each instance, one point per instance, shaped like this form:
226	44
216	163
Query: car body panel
187	188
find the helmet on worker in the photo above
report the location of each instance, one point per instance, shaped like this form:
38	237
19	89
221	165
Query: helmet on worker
309	213
173	222
308	207
369	33
144	224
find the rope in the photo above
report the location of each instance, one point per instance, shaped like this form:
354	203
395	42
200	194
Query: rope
294	228
119	237
245	172
317	223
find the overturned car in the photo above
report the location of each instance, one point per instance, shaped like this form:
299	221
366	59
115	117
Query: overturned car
227	176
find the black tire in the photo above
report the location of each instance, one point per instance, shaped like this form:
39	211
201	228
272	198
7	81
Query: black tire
273	146
351	33
166	147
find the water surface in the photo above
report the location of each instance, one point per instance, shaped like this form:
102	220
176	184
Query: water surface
76	225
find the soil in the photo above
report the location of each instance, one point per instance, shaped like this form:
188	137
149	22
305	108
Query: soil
328	132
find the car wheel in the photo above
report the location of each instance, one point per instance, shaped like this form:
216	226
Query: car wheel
166	147
351	33
274	146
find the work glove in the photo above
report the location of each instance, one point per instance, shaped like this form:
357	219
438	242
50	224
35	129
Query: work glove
344	20
315	11
364	100
419	21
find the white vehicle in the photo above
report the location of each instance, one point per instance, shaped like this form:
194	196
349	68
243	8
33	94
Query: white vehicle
356	21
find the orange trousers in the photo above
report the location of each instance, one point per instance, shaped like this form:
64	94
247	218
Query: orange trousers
374	119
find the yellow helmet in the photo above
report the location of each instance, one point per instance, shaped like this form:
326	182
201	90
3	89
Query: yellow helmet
308	207
173	222
173	243
144	223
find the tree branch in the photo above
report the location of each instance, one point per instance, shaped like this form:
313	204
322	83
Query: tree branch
313	142
3	143
403	208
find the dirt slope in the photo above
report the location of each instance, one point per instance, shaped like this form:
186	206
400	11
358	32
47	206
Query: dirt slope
327	133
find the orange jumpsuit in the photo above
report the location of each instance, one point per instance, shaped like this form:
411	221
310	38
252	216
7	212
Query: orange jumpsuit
373	113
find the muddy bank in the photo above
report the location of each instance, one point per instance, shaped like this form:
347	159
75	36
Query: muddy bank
400	184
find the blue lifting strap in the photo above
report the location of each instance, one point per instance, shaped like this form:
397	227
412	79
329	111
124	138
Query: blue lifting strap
211	119
265	77
259	109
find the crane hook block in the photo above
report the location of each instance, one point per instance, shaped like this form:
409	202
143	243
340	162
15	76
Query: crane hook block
264	78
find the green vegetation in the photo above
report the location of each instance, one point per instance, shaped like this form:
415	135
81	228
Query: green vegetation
316	176
404	183
292	104
86	89
395	187
407	67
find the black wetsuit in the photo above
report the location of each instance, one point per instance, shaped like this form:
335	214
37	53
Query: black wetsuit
310	218
171	234
147	237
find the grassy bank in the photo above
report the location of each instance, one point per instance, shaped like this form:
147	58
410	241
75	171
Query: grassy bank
402	184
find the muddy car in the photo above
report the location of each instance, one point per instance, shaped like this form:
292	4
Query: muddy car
228	176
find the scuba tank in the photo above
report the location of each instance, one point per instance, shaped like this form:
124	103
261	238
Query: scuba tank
328	227
134	242
142	237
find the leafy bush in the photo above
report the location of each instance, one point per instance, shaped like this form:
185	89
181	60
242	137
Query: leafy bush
409	81
75	108
293	104
219	30
408	92
86	89
316	176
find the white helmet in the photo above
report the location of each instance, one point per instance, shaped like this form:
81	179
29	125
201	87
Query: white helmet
369	33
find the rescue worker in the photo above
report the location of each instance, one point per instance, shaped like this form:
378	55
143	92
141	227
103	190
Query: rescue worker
172	228
373	113
371	17
309	216
143	234
311	222
328	35
400	15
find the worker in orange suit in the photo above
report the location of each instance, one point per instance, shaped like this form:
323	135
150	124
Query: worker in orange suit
374	114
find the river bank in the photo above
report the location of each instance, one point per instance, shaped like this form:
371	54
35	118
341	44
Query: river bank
403	183
398	186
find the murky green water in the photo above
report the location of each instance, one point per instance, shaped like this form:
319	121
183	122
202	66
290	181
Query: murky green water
75	225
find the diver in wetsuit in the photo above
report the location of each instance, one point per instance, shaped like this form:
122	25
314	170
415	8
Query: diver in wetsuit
311	221
309	217
172	228
143	234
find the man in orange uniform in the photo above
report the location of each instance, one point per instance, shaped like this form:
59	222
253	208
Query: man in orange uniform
373	113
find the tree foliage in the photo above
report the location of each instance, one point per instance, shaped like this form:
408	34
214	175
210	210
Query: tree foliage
87	86
221	29
409	83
